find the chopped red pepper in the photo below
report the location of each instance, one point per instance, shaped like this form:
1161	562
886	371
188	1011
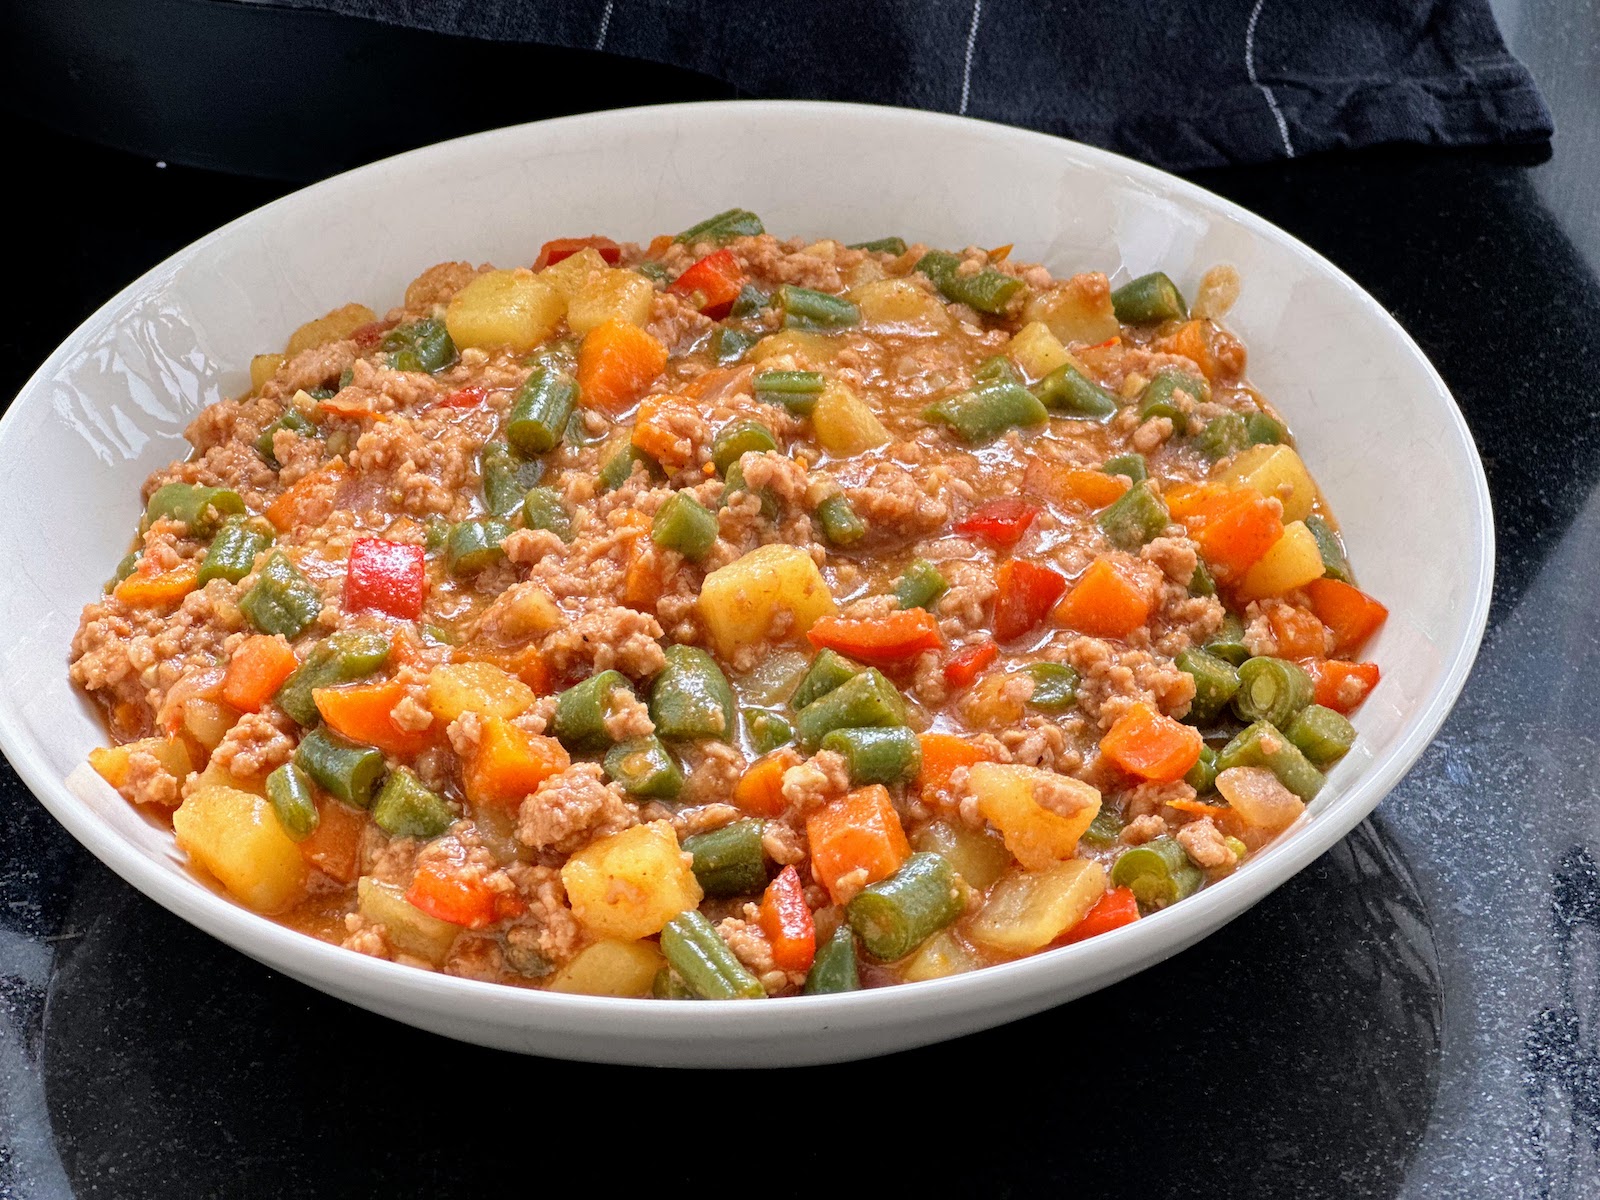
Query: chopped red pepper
389	576
467	397
712	284
1000	522
892	638
559	248
1027	593
786	920
1112	911
966	665
370	334
1340	685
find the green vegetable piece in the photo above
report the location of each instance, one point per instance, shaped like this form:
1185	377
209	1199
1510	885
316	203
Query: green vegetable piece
768	730
828	670
986	412
293	420
340	767
834	969
542	508
896	915
1334	564
807	308
862	701
474	545
877	755
1149	300
1262	430
733	483
996	369
1069	391
839	522
1136	517
986	290
795	390
506	476
423	345
440	635
748	302
1271	689
685	525
1055	686
346	378
729	345
1131	465
1262	745
1201	583
1229	644
888	245
1160	397
580	718
724	227
696	951
233	551
202	509
669	985
406	807
619	467
730	861
540	411
1215	683
691	697
289	793
1321	734
281	600
128	565
736	440
656	272
921	585
643	767
343	657
1222	436
1202	777
1105	829
435	534
1159	872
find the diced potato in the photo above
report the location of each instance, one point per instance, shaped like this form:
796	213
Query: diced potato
1276	472
742	602
1036	350
611	969
978	857
1030	909
522	611
409	928
1259	798
236	836
773	679
809	350
844	424
262	368
573	273
628	885
111	763
942	954
1293	561
207	721
868	270
611	295
340	323
1075	310
215	775
995	703
900	303
1009	796
479	687
505	308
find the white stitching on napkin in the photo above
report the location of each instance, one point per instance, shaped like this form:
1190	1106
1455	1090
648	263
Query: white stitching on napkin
1250	70
605	24
966	69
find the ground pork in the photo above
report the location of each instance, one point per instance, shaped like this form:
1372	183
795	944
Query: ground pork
1203	842
256	744
750	945
604	638
571	807
894	504
811	784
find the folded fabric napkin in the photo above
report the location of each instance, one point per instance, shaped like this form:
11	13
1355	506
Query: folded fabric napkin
1179	83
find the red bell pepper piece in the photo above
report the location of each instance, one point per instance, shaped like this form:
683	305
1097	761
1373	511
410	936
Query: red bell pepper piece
786	920
558	248
467	397
1112	911
1027	592
389	576
1340	685
1353	615
712	284
1000	522
966	665
892	638
370	334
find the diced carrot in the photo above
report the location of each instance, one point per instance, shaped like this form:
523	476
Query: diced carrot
257	669
786	920
152	590
363	712
467	397
334	846
1340	685
653	430
1297	632
759	791
1103	603
1353	615
1116	908
884	640
942	755
1192	340
443	889
856	840
716	378
1185	500
1000	253
659	245
300	498
347	409
616	362
966	664
1234	530
1064	485
509	763
1025	593
1199	808
1151	745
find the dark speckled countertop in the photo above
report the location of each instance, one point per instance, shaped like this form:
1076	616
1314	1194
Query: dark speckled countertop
1417	1014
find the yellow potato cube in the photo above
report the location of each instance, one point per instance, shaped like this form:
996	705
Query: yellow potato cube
479	687
808	350
262	368
628	885
978	856
236	836
941	955
1293	561
1275	472
900	304
611	969
572	274
505	308
1075	310
1029	910
1040	814
1036	350
610	295
742	602
409	928
111	763
331	327
843	423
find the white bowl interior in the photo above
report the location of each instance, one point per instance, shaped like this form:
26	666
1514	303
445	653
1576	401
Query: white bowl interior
1370	414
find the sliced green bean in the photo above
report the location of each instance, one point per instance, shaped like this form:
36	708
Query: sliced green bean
543	508
835	969
733	483
1055	686
1105	829
1130	464
1149	300
827	671
1262	430
797	391
1158	872
619	467
1160	397
730	861
1334	564
1229	644
921	585
807	308
691	697
737	439
877	755
474	545
888	245
839	522
1201	582
996	369
987	411
1136	517
423	345
1321	734
1202	777
696	951
200	508
281	600
1215	684
1222	436
768	730
540	410
985	290
644	767
896	915
506	476
685	525
669	985
1069	391
407	807
340	767
128	565
293	420
724	227
1271	689
289	793
342	657
862	701
1263	745
580	716
233	551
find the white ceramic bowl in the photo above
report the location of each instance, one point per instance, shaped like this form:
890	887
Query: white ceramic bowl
1372	416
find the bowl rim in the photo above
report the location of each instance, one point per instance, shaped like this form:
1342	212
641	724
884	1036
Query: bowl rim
1143	942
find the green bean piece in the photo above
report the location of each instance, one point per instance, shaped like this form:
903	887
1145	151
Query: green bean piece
996	369
795	390
1262	745
1202	777
985	290
128	565
1334	564
423	345
730	861
289	793
839	522
1322	735
323	393
749	301
293	420
657	273
281	600
1055	686
540	410
729	345
202	509
407	807
1201	583
1149	300
346	378
867	700
807	308
1229	644
1158	872
1222	436
1136	517
1159	398
1271	689
733	483
506	476
1262	430
724	227
691	698
643	767
827	671
685	525
1069	391
1215	684
877	755
986	412
474	545
921	585
619	467
696	951
896	915
736	440
888	245
542	508
340	767
669	985
768	730
233	551
1130	464
834	969
580	717
343	657
1105	829
439	635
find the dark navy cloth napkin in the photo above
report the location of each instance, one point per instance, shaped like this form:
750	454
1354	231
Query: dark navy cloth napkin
1179	83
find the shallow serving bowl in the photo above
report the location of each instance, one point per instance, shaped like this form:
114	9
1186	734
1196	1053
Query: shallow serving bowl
1371	415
